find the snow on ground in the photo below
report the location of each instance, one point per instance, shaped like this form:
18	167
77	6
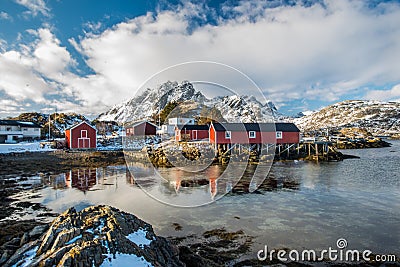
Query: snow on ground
124	260
27	258
139	238
23	147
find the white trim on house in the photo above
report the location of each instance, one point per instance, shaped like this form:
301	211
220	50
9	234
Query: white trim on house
228	134
252	134
279	135
76	125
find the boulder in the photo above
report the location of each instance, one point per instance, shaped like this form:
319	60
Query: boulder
95	235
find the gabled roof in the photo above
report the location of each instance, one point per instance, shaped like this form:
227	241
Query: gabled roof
193	127
286	127
141	122
257	127
27	124
76	125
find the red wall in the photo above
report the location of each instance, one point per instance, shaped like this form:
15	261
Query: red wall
289	138
261	138
144	128
75	134
212	134
67	137
201	134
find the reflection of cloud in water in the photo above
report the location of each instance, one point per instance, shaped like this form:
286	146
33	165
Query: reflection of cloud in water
311	217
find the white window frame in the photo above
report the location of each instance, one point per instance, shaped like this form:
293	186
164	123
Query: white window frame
252	134
194	134
279	135
83	132
228	134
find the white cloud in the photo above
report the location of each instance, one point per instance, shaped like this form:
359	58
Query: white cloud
52	59
5	16
384	95
36	69
292	52
35	7
18	80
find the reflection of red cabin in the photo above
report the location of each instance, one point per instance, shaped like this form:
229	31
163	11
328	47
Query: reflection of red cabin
82	179
82	135
254	133
191	132
142	128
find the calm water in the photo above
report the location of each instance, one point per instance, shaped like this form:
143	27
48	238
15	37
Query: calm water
357	199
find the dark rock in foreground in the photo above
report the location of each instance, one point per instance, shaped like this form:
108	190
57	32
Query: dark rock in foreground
94	236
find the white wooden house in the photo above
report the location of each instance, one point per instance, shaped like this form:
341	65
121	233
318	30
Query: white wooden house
12	131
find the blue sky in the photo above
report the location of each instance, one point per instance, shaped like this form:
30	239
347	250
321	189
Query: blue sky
86	56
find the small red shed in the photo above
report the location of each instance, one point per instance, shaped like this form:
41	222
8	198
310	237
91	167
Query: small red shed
254	133
142	128
82	136
191	132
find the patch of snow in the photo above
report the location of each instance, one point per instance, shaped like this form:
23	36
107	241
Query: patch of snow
139	238
27	258
122	260
23	147
73	240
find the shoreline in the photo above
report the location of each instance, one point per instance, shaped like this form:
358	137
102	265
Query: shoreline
96	159
214	247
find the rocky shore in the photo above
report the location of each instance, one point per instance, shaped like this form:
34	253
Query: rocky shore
105	236
31	163
94	236
361	144
15	168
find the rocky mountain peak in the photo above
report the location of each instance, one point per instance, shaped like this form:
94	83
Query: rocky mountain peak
376	117
234	108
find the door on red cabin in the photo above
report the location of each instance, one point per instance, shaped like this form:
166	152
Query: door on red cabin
194	135
83	140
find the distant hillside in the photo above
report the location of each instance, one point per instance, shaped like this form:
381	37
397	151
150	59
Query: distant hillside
58	121
378	118
152	100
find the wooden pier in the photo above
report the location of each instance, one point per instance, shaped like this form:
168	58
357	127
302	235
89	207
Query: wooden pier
317	151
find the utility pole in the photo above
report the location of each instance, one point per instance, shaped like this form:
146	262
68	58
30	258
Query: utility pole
55	117
49	124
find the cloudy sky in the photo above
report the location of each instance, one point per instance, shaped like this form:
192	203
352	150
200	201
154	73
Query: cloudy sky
85	56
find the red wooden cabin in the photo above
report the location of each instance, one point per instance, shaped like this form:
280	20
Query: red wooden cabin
254	133
142	128
82	136
191	132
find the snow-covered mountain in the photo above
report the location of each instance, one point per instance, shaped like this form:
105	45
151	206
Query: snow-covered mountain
379	118
233	108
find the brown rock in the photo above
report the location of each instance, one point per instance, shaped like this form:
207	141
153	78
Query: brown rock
85	238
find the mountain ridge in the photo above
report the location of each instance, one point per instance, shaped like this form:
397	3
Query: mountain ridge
145	104
377	117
